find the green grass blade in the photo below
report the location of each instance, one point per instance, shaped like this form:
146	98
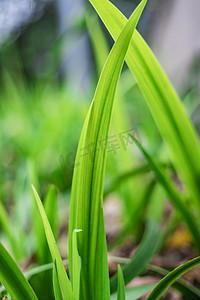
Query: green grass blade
168	280
121	287
147	249
76	265
51	209
119	120
62	275
42	250
56	285
87	189
13	279
185	288
175	198
97	38
165	105
38	270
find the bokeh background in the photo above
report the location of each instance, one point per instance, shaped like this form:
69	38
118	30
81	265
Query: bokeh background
51	38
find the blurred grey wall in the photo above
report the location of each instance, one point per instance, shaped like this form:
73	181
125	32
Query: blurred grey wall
176	38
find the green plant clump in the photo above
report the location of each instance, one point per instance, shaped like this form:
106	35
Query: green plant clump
88	276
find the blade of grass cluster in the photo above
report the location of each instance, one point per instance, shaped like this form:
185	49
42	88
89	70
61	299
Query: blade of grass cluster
87	189
62	275
13	279
120	122
121	287
175	198
168	280
56	285
145	252
166	108
185	288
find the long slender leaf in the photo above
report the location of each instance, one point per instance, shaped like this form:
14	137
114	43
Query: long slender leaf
97	38
168	280
62	275
13	279
187	290
56	285
76	265
128	194
87	189
121	287
37	270
175	198
51	209
147	249
165	105
42	250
